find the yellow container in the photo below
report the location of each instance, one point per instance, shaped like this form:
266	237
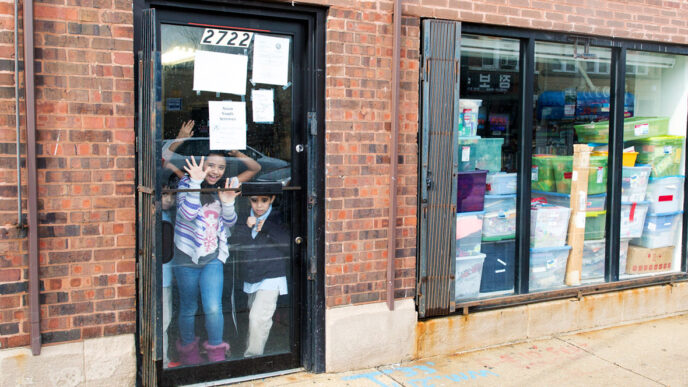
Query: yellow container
628	157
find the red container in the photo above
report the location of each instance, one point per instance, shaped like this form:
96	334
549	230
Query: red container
471	191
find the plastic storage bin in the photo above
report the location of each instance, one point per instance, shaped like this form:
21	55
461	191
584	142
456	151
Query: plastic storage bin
623	254
634	128
562	167
665	194
548	225
501	183
469	271
541	176
468	153
500	217
498	269
471	191
633	219
593	260
469	229
593	203
628	159
547	267
634	183
595	222
490	154
659	230
468	116
662	153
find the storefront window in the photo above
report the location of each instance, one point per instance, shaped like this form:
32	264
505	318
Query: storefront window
571	89
488	135
653	164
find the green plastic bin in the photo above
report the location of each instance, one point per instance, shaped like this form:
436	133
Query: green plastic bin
562	168
595	222
634	128
468	153
542	177
490	154
662	153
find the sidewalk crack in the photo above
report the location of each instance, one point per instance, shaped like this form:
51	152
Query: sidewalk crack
609	361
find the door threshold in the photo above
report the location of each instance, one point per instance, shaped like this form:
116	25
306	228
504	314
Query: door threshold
247	378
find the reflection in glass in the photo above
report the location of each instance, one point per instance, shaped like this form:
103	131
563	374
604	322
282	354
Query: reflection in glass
488	147
226	277
653	173
572	84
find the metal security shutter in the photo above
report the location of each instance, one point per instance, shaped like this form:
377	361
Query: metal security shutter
149	269
439	155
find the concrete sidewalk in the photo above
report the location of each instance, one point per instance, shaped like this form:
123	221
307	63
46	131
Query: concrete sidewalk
652	353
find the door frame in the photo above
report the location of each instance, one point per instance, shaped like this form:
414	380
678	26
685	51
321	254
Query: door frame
312	283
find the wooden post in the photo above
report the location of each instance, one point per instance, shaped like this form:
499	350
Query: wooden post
579	197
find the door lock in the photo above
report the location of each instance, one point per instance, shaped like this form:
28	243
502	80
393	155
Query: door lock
298	240
299	148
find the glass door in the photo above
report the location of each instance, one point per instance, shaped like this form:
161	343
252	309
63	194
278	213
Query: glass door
232	207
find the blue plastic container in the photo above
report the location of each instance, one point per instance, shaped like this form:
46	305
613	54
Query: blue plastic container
498	268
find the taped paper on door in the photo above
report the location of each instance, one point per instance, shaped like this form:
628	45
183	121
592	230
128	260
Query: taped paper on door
227	125
219	72
263	106
270	60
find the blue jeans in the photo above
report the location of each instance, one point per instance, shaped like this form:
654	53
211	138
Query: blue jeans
209	280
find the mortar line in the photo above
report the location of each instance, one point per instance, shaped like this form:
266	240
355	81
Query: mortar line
609	361
381	370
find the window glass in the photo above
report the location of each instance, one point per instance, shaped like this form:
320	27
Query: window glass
653	173
488	135
568	215
227	281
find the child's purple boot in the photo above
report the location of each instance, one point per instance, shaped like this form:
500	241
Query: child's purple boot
216	352
189	353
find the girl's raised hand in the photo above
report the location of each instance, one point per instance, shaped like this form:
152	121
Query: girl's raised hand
186	130
195	171
227	197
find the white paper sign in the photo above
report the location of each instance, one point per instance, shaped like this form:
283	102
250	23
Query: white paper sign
227	124
263	106
219	72
270	60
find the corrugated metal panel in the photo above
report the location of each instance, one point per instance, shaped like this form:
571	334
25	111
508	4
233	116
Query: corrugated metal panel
149	272
441	53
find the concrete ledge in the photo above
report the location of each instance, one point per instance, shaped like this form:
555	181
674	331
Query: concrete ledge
369	335
107	361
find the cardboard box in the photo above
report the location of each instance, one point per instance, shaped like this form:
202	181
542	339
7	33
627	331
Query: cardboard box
642	260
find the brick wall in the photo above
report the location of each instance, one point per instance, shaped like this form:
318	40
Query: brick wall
85	123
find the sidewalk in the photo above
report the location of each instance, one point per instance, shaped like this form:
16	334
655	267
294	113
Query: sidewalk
652	353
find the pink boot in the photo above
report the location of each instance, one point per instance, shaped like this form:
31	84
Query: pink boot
189	354
216	352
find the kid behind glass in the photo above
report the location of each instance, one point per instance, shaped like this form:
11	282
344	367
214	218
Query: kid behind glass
262	264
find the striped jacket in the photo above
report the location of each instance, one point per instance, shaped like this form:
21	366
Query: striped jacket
201	229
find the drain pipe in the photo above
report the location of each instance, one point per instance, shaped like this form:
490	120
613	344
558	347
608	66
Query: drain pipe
392	231
20	222
32	205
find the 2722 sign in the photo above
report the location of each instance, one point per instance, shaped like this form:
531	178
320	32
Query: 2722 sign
229	38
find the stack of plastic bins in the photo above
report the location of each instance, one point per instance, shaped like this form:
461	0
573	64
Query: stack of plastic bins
498	269
593	203
468	274
662	153
634	183
562	167
633	219
501	183
542	176
593	260
469	228
659	230
468	153
548	225
471	191
547	267
490	154
499	222
665	194
634	128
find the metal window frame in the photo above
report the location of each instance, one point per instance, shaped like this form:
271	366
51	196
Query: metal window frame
618	72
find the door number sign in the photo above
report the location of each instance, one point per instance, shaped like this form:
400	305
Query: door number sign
229	38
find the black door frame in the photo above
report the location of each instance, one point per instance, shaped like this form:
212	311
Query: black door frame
312	295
